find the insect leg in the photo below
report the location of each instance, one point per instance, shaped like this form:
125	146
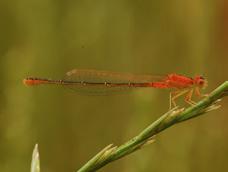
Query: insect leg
188	98
174	95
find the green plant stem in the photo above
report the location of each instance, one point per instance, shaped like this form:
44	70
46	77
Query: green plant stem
146	137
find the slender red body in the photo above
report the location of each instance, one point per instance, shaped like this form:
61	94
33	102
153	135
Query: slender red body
35	81
103	81
107	80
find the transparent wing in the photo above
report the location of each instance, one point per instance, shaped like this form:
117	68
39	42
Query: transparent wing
95	82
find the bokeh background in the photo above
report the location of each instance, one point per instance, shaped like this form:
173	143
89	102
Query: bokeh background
47	38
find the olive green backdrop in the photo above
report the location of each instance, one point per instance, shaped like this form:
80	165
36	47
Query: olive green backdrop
47	38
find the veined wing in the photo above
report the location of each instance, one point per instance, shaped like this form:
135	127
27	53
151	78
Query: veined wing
106	82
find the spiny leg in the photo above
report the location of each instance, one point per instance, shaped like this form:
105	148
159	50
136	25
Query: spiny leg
188	98
171	101
174	95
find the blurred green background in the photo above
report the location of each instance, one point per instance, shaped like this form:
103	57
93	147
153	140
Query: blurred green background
47	38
